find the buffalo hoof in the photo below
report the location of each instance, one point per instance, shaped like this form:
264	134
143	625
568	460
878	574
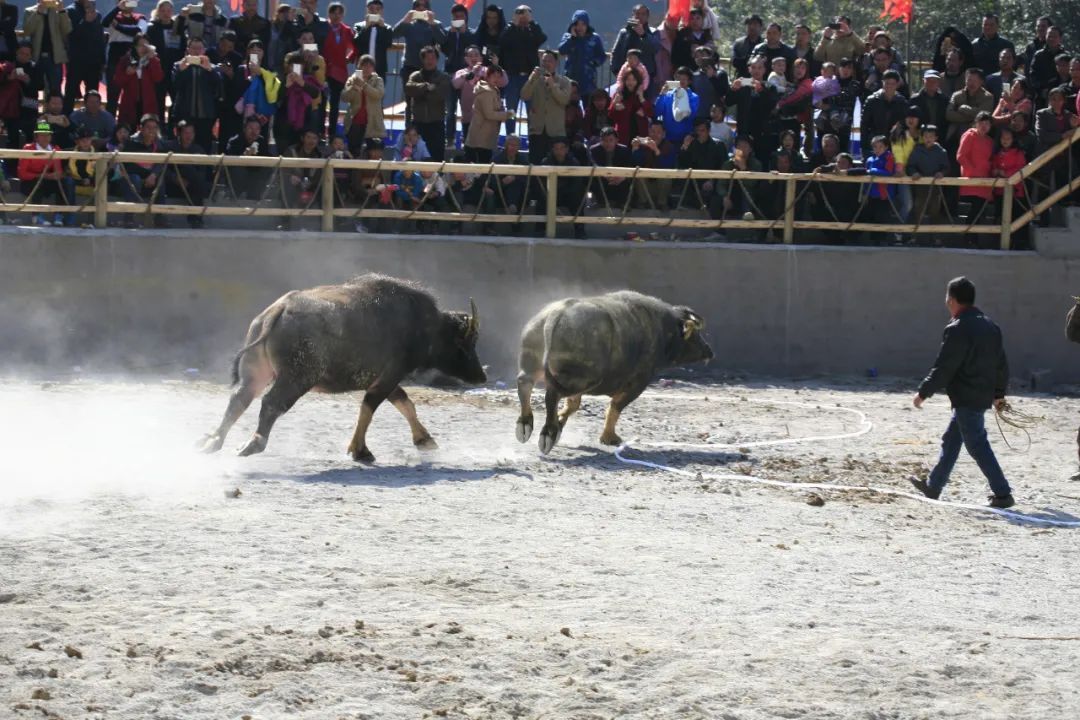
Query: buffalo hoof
363	455
611	439
524	429
210	443
426	443
549	436
256	444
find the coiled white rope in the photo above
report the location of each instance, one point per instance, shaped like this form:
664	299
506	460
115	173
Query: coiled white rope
865	427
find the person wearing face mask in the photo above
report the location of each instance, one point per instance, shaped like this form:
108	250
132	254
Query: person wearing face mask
458	39
373	37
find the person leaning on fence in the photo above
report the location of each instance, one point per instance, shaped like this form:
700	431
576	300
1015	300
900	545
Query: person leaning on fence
928	159
248	182
880	200
570	191
42	178
80	174
700	152
972	369
655	152
611	193
53	113
974	156
505	193
369	187
735	196
303	184
187	184
428	89
142	181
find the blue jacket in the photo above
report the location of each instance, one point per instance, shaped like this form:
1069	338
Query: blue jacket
583	54
676	130
881	165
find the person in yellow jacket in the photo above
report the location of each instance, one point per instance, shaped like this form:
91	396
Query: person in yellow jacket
81	173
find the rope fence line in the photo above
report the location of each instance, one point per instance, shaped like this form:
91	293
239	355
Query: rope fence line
601	211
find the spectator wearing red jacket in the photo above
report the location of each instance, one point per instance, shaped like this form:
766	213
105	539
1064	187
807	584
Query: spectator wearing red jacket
41	178
1009	159
137	76
629	111
975	157
338	51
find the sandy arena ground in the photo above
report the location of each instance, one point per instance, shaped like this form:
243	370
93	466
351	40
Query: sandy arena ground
483	581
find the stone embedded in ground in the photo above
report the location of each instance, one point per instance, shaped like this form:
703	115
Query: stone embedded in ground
566	631
815	500
40	694
72	652
6	597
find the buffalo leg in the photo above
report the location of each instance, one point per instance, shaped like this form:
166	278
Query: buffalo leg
618	403
420	436
573	404
373	398
525	383
282	396
252	383
549	435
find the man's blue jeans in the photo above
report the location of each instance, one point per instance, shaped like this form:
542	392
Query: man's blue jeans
512	97
967	429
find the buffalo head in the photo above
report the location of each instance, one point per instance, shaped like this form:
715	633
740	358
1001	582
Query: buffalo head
458	357
690	345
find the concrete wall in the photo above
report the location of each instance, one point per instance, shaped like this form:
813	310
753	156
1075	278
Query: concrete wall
128	300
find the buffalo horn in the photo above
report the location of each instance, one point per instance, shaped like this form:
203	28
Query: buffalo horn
474	319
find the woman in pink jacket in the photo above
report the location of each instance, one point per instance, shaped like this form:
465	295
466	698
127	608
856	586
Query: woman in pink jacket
465	81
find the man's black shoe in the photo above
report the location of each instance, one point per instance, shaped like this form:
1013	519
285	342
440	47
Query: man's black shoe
1002	501
925	489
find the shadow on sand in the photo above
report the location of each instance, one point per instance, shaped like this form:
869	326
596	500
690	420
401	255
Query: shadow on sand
391	476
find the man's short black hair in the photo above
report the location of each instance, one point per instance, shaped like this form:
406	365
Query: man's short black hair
977	71
698	122
608	132
890	75
962	290
845	62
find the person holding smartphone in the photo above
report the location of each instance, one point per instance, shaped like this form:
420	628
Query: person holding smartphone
86	52
198	86
420	30
373	37
122	24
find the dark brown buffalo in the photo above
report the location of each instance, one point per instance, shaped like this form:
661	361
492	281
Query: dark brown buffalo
607	345
367	334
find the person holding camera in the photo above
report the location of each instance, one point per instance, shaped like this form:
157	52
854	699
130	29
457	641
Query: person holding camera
187	183
198	86
654	151
283	38
548	95
249	182
364	92
167	34
48	27
43	178
302	184
250	25
488	114
637	35
838	41
464	83
459	38
137	75
303	78
122	24
373	37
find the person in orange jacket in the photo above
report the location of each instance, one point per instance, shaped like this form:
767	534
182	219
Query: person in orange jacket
974	156
43	177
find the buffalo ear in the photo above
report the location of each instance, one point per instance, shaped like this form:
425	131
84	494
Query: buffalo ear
474	319
691	322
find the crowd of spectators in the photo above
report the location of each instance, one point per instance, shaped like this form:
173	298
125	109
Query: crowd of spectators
193	80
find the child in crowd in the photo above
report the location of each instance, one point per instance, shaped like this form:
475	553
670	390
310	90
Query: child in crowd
596	116
826	85
880	196
1007	160
81	172
927	159
408	189
633	62
778	77
719	128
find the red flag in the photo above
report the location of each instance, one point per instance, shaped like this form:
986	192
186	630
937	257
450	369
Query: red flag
468	4
899	10
679	11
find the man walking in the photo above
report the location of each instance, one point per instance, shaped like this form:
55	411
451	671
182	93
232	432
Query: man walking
972	369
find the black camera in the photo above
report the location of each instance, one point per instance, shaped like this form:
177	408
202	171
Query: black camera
833	26
470	75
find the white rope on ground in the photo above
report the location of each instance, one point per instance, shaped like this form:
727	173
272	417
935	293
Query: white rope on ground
865	428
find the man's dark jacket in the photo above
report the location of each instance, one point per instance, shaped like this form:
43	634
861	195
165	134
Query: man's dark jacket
971	366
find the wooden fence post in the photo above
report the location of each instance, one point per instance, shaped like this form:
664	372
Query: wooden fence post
789	211
101	193
1007	217
328	198
552	204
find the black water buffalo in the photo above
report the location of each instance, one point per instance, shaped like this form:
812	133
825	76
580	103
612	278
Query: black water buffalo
367	334
607	345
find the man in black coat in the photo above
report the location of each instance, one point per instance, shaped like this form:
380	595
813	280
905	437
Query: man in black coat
86	51
571	190
374	38
519	49
883	109
971	367
611	192
9	20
